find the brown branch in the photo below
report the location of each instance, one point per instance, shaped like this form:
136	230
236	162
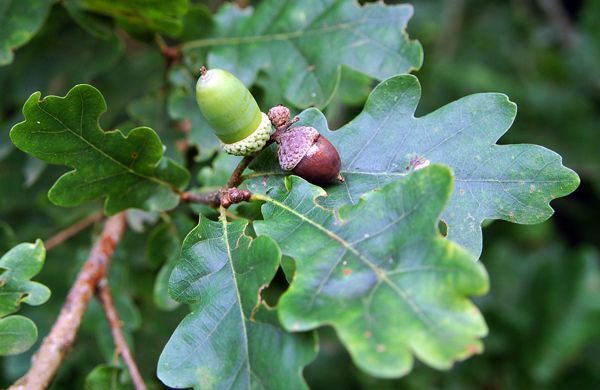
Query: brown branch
236	175
57	344
227	195
115	327
224	197
72	230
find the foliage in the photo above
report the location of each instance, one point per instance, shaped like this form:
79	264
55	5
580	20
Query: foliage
353	284
18	266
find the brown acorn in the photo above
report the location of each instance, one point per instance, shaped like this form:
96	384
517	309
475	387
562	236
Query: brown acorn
309	155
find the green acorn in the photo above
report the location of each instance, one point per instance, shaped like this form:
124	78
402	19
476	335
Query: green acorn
231	111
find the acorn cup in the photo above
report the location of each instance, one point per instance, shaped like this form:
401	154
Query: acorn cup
303	151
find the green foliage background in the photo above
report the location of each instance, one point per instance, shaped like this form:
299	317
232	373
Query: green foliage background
543	308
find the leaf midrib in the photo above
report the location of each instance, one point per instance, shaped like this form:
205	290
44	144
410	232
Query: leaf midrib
381	275
223	219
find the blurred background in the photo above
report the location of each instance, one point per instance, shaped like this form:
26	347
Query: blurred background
543	309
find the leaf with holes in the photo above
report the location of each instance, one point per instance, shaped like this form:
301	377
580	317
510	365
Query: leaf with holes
379	272
302	45
227	340
129	170
20	20
17	267
510	182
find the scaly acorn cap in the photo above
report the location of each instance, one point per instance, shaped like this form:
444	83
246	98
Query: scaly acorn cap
293	145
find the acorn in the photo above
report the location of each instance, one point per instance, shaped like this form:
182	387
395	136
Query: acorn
232	113
308	154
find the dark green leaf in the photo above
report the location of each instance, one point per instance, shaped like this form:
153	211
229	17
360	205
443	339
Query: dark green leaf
510	182
379	272
141	15
130	171
302	45
221	344
20	20
105	377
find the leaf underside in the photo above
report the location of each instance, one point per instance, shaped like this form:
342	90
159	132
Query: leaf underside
379	272
302	45
130	171
222	343
384	142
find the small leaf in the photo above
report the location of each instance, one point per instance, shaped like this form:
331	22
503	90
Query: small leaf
18	266
106	377
379	272
20	20
221	344
510	182
128	170
17	335
303	45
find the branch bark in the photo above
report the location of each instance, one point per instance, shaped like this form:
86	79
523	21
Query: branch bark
57	344
115	324
227	195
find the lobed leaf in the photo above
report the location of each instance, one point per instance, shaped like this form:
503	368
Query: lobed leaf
129	170
221	343
20	20
303	45
383	143
379	272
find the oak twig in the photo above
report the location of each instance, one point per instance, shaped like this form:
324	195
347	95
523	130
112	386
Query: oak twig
72	230
227	195
58	342
115	324
236	175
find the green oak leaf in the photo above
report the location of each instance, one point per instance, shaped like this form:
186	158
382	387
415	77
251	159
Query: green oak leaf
221	344
510	182
302	45
140	15
130	171
17	267
379	272
20	20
